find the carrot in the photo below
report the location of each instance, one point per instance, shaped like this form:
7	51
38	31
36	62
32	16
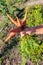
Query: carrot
12	20
10	36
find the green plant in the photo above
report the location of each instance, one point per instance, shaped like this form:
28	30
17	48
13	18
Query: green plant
34	17
30	47
0	61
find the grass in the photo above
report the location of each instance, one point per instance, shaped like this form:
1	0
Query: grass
30	47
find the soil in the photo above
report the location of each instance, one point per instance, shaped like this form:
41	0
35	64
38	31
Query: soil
13	59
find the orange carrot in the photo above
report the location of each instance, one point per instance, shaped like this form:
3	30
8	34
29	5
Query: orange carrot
10	36
12	20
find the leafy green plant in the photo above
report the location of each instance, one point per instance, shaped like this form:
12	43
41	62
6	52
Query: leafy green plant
0	60
34	17
30	47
